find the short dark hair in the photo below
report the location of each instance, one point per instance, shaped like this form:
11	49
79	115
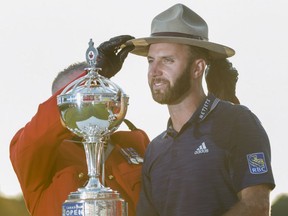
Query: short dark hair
79	66
197	52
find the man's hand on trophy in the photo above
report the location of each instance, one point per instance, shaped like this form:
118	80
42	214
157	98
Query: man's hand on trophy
111	56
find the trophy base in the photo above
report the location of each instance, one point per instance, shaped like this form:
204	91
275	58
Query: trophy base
91	203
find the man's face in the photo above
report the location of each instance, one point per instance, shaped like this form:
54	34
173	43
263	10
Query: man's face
169	73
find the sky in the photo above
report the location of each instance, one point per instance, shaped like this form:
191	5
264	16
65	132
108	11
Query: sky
40	38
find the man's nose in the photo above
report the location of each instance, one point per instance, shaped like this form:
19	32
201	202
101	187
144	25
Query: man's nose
155	69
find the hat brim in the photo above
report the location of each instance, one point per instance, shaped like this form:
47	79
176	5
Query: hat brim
216	51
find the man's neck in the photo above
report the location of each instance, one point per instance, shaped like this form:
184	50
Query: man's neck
180	113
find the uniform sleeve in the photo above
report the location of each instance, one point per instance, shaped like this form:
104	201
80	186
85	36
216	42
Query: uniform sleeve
126	177
33	150
250	152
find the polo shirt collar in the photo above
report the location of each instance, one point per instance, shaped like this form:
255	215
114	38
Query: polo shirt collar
207	106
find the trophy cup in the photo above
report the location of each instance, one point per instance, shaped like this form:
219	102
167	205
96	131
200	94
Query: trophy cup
93	107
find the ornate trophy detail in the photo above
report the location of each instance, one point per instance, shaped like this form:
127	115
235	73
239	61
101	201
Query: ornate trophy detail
93	107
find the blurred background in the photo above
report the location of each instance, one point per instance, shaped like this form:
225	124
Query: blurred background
39	38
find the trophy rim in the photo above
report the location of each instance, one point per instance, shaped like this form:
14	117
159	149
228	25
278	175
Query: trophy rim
88	97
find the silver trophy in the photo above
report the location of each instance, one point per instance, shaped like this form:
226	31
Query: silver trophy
93	107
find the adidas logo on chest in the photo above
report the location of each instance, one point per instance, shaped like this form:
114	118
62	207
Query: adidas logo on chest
202	149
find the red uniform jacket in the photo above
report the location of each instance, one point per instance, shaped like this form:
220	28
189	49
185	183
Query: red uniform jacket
49	167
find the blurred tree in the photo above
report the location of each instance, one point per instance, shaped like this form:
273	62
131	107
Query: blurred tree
13	207
280	206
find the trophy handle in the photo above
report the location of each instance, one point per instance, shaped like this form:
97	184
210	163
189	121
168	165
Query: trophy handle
123	108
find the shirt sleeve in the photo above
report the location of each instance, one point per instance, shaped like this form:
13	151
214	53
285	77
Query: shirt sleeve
250	158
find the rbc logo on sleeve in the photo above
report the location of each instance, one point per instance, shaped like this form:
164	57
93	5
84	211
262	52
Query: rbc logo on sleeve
256	162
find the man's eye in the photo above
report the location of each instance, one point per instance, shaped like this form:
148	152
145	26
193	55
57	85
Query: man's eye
168	60
149	60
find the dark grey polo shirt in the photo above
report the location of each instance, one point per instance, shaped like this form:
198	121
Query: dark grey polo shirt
221	150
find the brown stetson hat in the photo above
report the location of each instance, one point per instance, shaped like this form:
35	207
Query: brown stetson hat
179	24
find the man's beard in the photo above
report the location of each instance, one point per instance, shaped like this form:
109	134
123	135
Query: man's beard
170	95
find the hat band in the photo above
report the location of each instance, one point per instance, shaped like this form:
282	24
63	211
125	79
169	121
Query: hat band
177	34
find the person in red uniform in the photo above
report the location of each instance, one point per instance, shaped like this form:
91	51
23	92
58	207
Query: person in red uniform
49	160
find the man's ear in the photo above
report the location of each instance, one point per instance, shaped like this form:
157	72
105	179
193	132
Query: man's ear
199	66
